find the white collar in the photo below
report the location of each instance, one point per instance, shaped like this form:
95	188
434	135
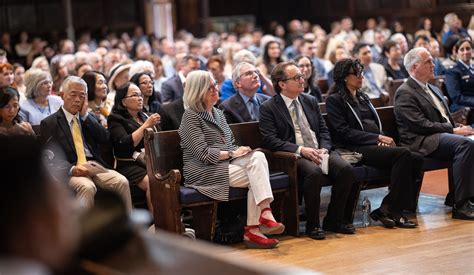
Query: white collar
181	77
288	100
69	116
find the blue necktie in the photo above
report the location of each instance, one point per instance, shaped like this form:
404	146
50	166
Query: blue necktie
254	107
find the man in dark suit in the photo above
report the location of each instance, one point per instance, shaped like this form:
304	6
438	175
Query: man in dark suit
244	106
173	89
171	115
292	122
426	126
72	130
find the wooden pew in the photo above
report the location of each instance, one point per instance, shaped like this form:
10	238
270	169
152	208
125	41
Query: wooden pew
169	196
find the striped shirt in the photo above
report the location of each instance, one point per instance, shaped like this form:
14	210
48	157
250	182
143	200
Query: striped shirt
203	136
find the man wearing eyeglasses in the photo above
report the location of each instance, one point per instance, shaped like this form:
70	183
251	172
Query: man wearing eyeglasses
291	121
244	106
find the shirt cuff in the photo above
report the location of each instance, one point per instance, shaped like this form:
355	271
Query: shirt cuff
298	151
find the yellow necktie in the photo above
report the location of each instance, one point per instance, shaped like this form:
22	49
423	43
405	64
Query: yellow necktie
78	142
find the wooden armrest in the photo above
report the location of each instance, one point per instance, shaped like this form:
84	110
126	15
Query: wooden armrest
172	177
462	116
287	155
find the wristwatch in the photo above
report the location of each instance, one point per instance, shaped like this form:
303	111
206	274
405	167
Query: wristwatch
230	154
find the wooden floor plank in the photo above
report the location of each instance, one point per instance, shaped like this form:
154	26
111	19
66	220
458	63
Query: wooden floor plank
439	245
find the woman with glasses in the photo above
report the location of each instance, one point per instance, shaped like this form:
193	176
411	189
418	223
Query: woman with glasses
39	102
145	82
127	123
10	121
355	125
460	78
97	95
212	162
307	68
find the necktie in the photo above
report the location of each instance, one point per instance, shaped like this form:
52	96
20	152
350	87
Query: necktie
78	142
254	108
437	103
304	127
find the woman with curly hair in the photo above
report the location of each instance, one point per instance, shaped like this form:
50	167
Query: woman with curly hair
356	126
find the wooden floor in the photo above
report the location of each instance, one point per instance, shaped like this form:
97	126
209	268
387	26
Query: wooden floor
439	245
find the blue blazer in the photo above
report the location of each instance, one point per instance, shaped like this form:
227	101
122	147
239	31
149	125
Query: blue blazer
172	89
460	86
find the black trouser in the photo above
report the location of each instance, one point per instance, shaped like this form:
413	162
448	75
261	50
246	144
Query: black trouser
459	150
342	178
405	175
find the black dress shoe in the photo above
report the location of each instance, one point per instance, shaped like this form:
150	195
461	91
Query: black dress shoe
465	212
338	227
377	215
403	222
316	233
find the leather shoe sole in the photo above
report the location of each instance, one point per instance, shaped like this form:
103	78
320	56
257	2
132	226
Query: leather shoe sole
316	234
403	222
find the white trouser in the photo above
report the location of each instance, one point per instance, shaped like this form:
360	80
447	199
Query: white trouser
112	180
251	171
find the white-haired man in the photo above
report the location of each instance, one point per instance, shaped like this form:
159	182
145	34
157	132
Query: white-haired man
426	126
78	135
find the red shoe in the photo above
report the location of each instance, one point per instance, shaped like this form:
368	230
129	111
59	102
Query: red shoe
254	241
269	227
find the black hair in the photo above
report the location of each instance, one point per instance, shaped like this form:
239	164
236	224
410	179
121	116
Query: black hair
341	70
278	74
120	94
313	72
462	41
358	46
136	80
7	93
266	57
90	78
388	45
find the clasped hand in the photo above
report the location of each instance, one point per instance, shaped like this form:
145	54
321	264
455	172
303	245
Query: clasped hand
315	155
385	141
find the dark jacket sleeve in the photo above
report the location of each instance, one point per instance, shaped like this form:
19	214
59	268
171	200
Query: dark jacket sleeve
121	140
269	130
343	131
408	110
453	85
167	92
96	130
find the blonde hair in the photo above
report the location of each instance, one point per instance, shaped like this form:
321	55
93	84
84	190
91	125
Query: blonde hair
33	79
196	86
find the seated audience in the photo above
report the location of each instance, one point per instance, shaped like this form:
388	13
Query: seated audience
212	162
6	75
393	67
40	225
96	95
426	126
172	89
127	124
307	68
145	82
291	121
10	121
72	130
374	75
355	126
19	79
244	106
460	78
39	102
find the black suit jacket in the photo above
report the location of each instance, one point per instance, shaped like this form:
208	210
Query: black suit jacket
171	115
55	130
277	129
419	122
172	89
235	110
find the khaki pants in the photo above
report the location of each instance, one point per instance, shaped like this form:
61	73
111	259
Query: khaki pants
251	171
85	187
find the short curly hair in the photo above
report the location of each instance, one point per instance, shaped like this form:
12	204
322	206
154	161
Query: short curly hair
344	67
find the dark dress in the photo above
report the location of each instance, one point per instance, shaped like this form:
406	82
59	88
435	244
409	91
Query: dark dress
121	126
395	74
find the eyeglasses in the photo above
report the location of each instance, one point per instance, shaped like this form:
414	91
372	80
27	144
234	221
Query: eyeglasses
214	86
134	95
249	73
296	78
359	74
147	83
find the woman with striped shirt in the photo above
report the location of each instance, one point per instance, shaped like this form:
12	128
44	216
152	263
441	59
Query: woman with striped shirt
213	163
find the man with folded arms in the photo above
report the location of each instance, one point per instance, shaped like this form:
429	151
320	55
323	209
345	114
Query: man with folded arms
291	121
426	126
78	135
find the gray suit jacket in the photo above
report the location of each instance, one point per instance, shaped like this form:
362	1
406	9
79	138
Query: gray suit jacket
419	122
172	89
235	110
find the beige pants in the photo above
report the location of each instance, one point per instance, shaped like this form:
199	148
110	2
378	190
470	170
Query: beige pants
112	180
251	171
